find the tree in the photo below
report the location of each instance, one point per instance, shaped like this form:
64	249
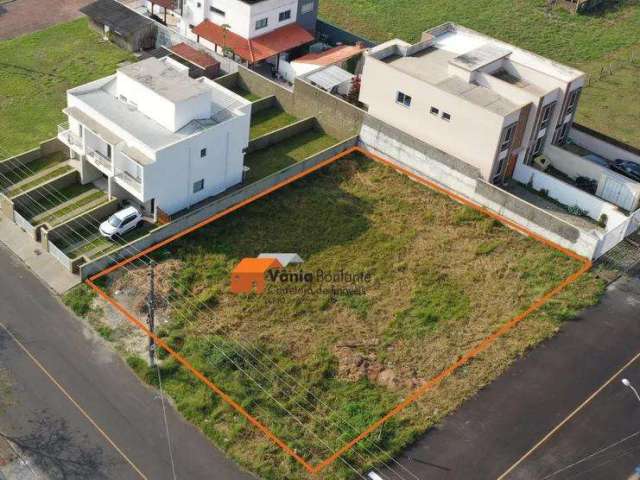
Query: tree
354	92
226	51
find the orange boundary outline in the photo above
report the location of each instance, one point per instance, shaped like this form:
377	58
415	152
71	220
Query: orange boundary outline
419	392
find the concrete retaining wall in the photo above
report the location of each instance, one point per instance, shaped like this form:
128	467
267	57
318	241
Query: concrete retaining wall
47	147
335	35
335	116
202	213
455	175
43	193
264	104
83	225
282	134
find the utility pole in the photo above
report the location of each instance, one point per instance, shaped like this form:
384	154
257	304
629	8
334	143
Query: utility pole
151	305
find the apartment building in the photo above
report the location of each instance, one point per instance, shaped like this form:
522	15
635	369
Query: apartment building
484	101
162	139
252	31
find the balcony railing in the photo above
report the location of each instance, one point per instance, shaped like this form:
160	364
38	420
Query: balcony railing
130	180
68	137
99	158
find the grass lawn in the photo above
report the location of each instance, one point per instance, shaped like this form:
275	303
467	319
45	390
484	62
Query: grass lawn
22	173
269	120
442	278
269	160
252	97
35	72
76	207
56	172
52	201
583	41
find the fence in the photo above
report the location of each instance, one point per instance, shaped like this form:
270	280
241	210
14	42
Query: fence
194	217
24	224
613	237
60	256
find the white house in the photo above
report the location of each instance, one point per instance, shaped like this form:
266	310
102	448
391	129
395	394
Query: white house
253	30
162	139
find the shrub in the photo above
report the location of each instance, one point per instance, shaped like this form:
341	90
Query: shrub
602	221
80	300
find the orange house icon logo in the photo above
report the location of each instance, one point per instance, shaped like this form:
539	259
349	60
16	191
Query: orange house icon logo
249	274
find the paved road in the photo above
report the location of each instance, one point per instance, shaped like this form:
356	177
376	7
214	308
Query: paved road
504	421
42	419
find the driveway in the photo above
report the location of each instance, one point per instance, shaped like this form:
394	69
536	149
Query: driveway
75	409
544	391
25	16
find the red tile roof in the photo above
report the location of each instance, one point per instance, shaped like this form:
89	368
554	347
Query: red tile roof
194	56
331	56
258	48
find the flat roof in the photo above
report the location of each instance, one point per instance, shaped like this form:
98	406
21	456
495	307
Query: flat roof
164	79
117	17
431	65
100	96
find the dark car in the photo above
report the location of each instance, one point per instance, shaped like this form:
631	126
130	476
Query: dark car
627	168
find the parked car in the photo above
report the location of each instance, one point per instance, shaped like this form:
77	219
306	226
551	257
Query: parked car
627	168
121	222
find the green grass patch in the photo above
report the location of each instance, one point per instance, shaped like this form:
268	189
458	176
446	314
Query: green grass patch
13	191
38	69
246	94
77	207
80	300
293	150
431	298
57	198
485	248
269	120
19	173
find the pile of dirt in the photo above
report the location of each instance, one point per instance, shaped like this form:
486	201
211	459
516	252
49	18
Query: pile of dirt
356	361
135	284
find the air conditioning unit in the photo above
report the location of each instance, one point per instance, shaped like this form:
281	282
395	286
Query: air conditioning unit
542	162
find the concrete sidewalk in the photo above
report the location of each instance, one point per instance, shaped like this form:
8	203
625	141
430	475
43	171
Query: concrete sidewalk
44	265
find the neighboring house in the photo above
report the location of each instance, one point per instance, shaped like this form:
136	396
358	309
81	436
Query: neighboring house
163	140
486	102
285	259
121	25
343	56
249	274
253	31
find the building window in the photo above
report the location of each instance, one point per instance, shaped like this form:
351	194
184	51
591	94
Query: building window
573	100
262	23
434	111
108	151
307	6
507	137
199	5
191	26
564	132
547	113
537	149
403	99
286	15
197	186
498	175
446	116
217	11
203	153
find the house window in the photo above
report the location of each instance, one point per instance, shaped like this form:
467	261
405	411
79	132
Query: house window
403	99
197	186
307	6
191	26
434	111
573	100
498	175
217	11
203	153
108	151
537	149
564	132
446	116
507	137
547	112
199	4
286	15
262	23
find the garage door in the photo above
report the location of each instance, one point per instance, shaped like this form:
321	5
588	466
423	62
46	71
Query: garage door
617	193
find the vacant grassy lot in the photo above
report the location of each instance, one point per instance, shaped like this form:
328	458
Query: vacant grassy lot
35	72
269	120
295	149
584	41
442	278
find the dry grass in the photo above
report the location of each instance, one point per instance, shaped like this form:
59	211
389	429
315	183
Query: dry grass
443	276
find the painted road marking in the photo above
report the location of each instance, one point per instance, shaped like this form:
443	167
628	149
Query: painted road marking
568	417
71	399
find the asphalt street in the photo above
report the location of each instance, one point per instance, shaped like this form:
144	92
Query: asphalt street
495	429
92	418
